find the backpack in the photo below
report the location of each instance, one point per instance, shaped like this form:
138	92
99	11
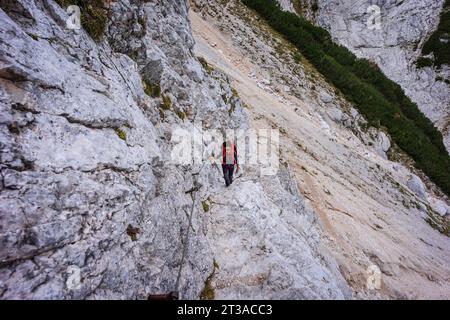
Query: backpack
228	153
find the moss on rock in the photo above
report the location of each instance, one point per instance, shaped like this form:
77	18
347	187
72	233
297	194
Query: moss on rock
94	15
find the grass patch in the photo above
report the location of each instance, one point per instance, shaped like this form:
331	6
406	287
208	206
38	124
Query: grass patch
133	232
180	114
232	108
94	15
152	90
382	102
205	205
233	101
142	21
121	134
202	61
439	223
205	65
161	114
224	98
166	102
298	6
33	36
208	292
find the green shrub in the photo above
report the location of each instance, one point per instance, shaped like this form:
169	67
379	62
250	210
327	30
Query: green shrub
380	100
93	15
297	57
424	62
439	41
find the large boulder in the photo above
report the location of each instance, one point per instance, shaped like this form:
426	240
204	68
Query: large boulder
152	72
384	141
335	114
416	185
325	97
439	206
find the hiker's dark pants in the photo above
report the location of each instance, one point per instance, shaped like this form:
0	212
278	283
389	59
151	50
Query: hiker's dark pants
228	170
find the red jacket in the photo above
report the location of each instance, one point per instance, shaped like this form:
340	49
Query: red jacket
229	156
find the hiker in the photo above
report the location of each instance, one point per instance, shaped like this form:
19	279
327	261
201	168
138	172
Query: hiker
229	160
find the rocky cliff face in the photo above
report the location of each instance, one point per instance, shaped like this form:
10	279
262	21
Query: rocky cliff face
394	46
374	211
92	207
88	189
